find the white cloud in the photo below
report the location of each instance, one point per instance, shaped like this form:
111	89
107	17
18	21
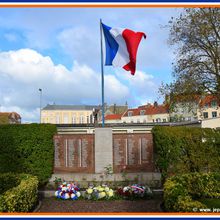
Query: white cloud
114	88
81	43
26	70
142	85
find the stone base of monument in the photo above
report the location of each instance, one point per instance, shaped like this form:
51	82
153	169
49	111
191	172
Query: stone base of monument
114	180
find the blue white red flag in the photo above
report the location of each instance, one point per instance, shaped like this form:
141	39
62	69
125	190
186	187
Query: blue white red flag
121	47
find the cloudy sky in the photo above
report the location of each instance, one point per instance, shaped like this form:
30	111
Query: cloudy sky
58	50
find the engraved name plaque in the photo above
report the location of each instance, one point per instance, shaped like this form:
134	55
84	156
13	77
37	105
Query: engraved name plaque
118	158
84	155
70	152
56	153
144	149
131	156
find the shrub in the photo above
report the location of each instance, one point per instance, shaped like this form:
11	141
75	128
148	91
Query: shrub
186	204
21	198
7	181
182	191
172	191
186	149
27	149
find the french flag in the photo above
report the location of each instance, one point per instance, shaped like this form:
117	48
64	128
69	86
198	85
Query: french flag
121	47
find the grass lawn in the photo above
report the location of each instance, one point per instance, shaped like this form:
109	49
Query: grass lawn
210	202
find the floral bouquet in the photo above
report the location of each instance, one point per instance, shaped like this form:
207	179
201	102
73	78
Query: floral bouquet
134	191
99	192
68	191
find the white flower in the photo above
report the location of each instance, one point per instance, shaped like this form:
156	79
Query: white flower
78	194
73	195
66	196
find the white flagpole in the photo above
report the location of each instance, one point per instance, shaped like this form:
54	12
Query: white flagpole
102	77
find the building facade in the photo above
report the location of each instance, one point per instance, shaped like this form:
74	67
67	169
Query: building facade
68	114
184	112
147	114
209	107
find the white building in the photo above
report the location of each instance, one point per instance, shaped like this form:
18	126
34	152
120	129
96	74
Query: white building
146	114
68	114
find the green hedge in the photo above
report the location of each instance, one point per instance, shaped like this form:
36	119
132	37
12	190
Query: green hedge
27	149
7	181
186	149
182	191
21	198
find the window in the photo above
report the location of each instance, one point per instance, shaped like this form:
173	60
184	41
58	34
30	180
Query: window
65	119
92	118
205	115
142	112
158	120
144	121
57	119
130	113
213	104
138	121
74	119
81	119
214	114
164	120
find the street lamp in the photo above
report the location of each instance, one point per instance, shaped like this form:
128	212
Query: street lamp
40	90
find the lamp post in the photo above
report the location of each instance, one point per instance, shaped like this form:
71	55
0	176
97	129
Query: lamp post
40	90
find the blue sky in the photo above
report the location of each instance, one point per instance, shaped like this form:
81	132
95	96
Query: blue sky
58	50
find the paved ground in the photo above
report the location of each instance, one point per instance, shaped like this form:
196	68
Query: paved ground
54	205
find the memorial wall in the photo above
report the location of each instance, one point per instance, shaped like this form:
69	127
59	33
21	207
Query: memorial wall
133	153
75	153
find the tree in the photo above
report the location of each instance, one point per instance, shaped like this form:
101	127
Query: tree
195	34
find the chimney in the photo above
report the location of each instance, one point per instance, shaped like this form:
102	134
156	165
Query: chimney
155	104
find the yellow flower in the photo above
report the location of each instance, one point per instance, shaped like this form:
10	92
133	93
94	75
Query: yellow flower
100	189
106	189
110	193
89	191
102	195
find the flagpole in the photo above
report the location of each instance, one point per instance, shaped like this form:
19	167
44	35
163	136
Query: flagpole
102	77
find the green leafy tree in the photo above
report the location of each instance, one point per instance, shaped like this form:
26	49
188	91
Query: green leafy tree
195	35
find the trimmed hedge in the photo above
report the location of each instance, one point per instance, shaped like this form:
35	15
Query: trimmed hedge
186	149
182	191
7	181
21	198
27	149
